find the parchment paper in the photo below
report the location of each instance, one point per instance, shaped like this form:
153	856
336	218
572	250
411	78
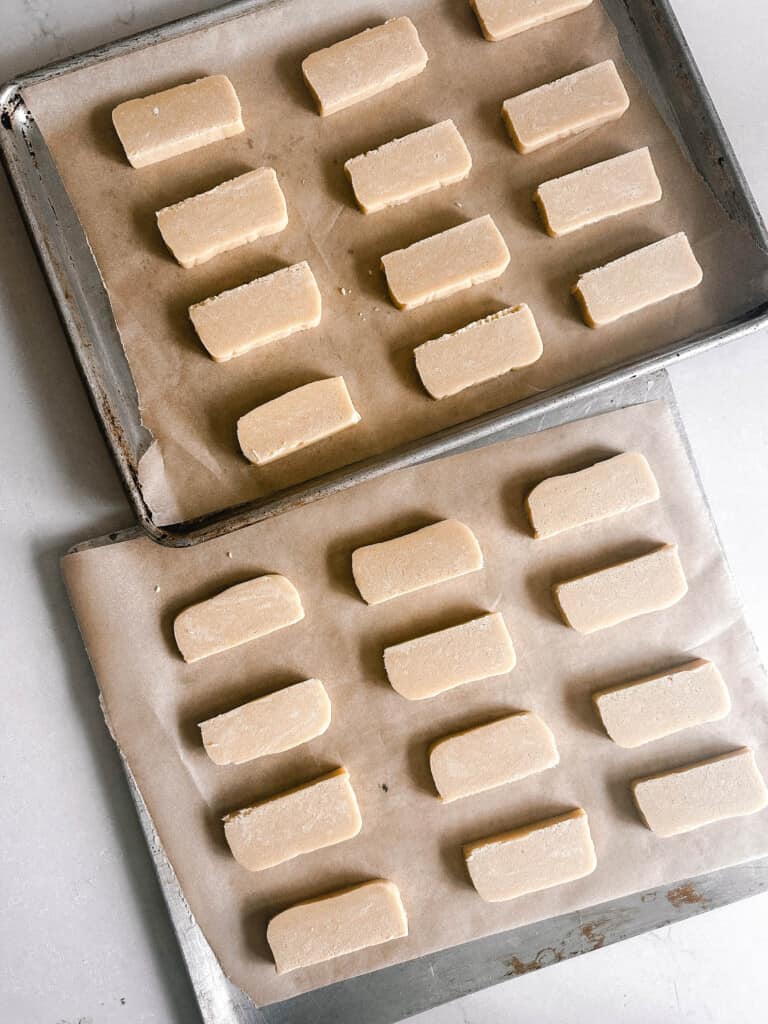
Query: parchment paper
153	700
190	404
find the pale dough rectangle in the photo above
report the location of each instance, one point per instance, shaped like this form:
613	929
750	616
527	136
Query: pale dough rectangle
678	801
268	725
409	167
296	419
232	214
320	813
595	193
557	110
607	488
431	664
177	120
642	278
492	755
638	586
236	616
445	263
500	19
364	65
481	351
532	858
262	311
341	922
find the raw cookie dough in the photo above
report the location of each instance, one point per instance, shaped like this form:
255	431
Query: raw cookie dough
624	591
293	420
532	858
641	279
586	99
364	65
409	167
420	559
698	794
491	755
660	705
606	489
446	263
595	193
237	615
254	314
310	817
248	207
500	19
177	120
341	922
461	654
268	725
505	341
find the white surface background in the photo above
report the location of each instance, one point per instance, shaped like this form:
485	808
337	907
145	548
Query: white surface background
84	937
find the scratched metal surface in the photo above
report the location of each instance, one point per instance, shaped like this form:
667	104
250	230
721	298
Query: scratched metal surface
654	45
389	995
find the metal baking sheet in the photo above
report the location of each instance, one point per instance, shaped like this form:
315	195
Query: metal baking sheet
393	993
653	43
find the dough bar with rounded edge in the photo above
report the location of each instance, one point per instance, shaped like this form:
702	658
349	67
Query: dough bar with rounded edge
608	488
492	755
268	725
687	798
500	19
296	419
423	558
320	813
236	616
341	922
177	120
663	704
443	264
586	99
409	167
232	214
621	592
532	858
262	311
364	65
431	664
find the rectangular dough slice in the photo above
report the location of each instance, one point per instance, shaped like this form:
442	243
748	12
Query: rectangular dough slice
310	817
660	705
585	99
641	279
492	755
262	311
341	922
420	559
364	65
268	725
608	488
296	419
636	587
409	167
437	662
594	194
446	263
699	794
481	351
532	858
236	616
232	214
500	19
175	121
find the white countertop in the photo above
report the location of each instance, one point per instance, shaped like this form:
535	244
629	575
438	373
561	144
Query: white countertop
84	937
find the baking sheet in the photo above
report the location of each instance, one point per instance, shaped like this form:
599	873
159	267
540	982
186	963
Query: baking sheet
126	596
191	404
